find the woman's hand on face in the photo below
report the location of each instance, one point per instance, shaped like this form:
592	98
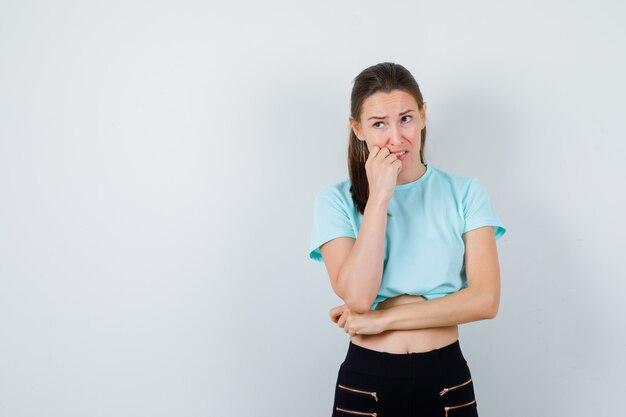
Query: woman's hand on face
382	168
357	323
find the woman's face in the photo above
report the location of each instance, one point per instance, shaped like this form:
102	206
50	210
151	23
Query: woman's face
393	120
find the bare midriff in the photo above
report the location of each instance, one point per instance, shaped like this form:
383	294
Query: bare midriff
407	341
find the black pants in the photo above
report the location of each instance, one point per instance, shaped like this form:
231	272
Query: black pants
437	383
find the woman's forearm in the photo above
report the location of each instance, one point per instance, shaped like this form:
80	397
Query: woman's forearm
360	276
464	306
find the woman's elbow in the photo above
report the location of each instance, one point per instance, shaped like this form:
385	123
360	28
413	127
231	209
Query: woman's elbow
359	301
359	305
490	306
355	302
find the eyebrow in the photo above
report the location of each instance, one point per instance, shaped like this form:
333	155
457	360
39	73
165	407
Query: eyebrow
383	117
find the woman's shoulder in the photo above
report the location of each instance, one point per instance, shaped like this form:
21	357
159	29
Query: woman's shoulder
336	189
454	179
464	188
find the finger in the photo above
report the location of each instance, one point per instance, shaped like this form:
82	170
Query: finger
337	316
391	157
383	152
337	310
342	320
332	316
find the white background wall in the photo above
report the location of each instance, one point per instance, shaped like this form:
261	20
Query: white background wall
158	164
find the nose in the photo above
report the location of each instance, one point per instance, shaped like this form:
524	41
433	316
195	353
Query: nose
395	136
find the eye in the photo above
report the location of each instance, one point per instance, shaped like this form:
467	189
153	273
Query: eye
409	117
375	125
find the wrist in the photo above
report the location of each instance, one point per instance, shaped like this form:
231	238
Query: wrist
382	318
377	203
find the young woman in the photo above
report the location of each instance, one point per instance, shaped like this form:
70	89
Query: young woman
411	250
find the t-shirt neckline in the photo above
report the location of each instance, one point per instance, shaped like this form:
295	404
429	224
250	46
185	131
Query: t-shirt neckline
417	181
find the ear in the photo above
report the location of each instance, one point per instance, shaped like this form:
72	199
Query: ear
424	107
356	128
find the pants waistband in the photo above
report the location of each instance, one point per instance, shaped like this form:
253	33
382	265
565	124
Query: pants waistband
408	365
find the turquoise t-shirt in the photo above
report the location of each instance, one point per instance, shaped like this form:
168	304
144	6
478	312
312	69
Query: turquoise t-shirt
424	249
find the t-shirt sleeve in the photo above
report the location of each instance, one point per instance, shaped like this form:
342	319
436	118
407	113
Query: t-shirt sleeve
478	210
330	220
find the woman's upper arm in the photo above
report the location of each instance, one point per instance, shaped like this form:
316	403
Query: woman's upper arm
335	252
481	265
